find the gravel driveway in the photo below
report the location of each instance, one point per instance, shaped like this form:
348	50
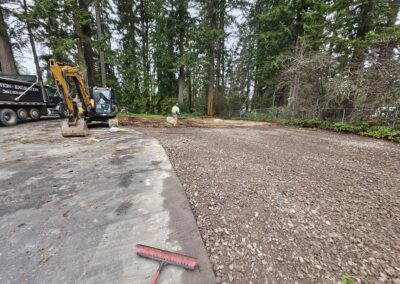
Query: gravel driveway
289	205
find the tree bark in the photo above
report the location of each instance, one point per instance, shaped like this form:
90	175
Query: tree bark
212	22
386	51
182	9
33	46
145	48
298	53
363	27
211	83
100	39
190	90
7	60
393	11
221	50
32	42
295	84
81	53
181	84
87	46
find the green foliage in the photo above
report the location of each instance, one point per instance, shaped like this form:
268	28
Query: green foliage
277	26
322	45
351	128
362	128
308	123
166	105
383	132
346	279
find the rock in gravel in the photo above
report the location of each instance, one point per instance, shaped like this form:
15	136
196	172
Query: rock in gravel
300	275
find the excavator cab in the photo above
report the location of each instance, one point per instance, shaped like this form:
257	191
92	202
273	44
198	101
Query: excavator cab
104	103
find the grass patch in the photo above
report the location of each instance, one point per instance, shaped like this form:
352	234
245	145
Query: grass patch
346	279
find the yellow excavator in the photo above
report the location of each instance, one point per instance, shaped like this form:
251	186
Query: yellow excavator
81	106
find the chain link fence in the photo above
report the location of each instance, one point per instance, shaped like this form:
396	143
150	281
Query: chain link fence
383	115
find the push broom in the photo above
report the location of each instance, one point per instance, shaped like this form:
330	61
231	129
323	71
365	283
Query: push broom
166	257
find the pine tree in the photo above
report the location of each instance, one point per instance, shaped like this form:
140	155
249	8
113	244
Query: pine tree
128	57
7	60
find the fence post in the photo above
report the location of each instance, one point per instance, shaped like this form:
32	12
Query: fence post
395	118
344	112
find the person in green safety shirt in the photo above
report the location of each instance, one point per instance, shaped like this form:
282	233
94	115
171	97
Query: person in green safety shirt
175	113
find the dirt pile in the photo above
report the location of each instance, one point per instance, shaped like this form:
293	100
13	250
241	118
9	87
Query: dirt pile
188	122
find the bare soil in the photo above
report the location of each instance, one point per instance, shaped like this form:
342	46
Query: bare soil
278	204
188	122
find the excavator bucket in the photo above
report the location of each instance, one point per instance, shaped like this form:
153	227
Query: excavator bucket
78	130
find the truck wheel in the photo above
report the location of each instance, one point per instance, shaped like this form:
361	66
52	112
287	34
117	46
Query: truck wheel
34	113
22	114
61	110
8	117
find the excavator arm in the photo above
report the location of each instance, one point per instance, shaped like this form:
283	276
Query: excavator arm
75	126
61	73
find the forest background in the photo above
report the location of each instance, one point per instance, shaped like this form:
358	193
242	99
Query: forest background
296	58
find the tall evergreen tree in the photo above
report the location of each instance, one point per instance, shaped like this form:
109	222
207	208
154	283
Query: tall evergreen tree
7	60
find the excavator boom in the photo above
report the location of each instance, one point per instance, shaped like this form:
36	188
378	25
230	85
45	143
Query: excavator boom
75	125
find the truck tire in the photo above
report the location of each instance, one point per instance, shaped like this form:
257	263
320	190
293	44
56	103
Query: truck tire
22	114
34	113
61	110
8	117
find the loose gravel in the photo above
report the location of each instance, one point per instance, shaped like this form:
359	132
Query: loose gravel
277	204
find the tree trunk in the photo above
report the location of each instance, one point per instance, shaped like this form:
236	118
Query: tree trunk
363	27
7	61
386	51
298	54
211	83
32	42
221	50
100	39
33	46
182	9
87	46
145	48
81	54
295	84
190	90
181	84
212	22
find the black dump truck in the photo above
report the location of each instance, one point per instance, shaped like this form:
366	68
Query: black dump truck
23	97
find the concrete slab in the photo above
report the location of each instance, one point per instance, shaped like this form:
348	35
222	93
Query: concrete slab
72	210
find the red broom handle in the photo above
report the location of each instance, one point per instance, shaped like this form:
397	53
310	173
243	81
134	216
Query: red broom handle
154	281
155	278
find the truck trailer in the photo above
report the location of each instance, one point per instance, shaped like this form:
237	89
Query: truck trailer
24	96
